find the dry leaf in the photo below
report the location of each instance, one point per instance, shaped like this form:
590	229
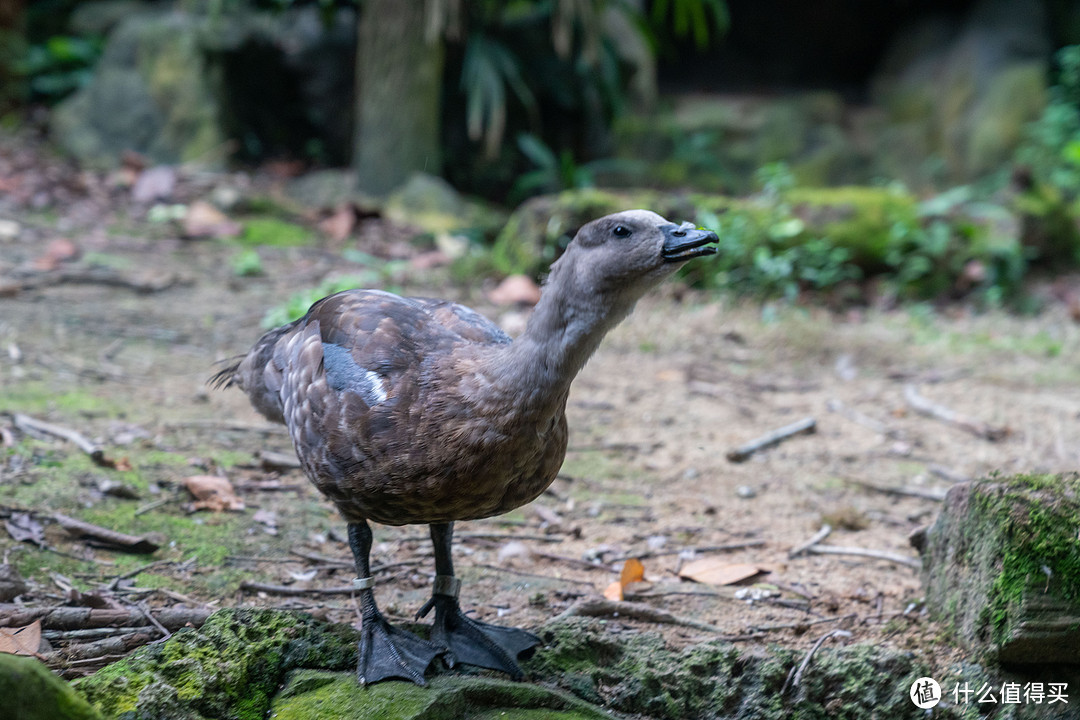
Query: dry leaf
21	641
516	290
22	527
57	251
203	220
156	183
632	571
715	571
213	493
340	224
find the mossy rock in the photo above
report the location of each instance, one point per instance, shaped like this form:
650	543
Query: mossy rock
321	695
1001	567
154	69
638	674
32	692
226	670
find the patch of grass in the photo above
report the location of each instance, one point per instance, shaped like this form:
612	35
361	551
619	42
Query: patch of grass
272	232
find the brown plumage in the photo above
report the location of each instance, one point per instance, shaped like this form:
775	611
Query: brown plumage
411	410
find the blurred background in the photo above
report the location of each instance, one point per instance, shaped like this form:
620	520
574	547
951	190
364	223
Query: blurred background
969	103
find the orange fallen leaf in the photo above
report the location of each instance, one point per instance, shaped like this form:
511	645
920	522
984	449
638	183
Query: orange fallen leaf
714	571
632	571
516	290
21	641
341	223
213	493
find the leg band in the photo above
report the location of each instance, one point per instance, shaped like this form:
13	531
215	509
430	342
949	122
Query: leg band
446	585
363	583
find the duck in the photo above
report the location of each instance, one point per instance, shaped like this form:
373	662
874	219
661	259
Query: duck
413	410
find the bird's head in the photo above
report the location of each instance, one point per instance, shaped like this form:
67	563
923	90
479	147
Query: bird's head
630	252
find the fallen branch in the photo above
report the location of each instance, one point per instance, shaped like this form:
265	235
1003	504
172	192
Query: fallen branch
33	426
103	537
927	408
818	537
743	452
601	607
861	419
74	618
864	552
147	282
794	677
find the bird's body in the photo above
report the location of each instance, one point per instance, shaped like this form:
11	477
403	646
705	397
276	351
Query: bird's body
362	365
411	410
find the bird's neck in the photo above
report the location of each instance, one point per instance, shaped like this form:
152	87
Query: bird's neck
563	332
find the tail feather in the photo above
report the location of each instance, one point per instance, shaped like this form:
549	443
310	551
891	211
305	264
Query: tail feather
226	377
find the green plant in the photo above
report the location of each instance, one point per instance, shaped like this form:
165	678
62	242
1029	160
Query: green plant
1051	146
247	263
58	66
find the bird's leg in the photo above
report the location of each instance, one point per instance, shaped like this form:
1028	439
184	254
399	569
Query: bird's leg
469	641
385	651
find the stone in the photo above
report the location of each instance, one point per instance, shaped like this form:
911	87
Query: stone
154	69
1001	567
321	695
32	692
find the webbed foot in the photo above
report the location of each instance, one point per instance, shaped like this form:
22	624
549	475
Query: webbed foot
477	643
387	652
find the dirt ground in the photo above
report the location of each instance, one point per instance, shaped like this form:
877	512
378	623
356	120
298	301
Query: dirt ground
684	380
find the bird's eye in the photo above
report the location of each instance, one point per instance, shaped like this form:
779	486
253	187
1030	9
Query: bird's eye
621	231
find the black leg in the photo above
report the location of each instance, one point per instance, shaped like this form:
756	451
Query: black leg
385	651
470	641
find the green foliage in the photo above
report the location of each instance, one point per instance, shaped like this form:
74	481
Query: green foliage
703	19
1052	144
59	66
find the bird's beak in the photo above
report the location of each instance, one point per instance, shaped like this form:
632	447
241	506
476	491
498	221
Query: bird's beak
683	242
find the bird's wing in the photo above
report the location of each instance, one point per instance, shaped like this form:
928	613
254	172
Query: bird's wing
373	341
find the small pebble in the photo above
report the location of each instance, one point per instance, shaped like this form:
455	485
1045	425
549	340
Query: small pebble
746	492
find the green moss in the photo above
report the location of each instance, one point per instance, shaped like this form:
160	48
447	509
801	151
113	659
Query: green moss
228	669
1040	514
38	397
311	694
272	232
32	692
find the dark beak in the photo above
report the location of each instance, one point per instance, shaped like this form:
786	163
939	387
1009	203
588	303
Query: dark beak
683	242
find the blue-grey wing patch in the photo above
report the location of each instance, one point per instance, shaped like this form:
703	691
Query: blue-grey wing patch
343	374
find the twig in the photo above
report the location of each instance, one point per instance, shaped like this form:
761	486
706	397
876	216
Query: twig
861	419
794	683
147	282
270	460
250	586
237	425
695	550
523	573
937	495
36	427
864	552
104	536
948	474
600	607
801	624
818	537
115	582
743	452
483	536
925	407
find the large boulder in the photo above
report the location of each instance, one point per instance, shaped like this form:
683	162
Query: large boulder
151	93
176	86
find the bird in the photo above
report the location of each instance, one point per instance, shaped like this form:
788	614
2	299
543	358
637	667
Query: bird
411	410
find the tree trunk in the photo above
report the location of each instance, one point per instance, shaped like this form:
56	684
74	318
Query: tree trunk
399	82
